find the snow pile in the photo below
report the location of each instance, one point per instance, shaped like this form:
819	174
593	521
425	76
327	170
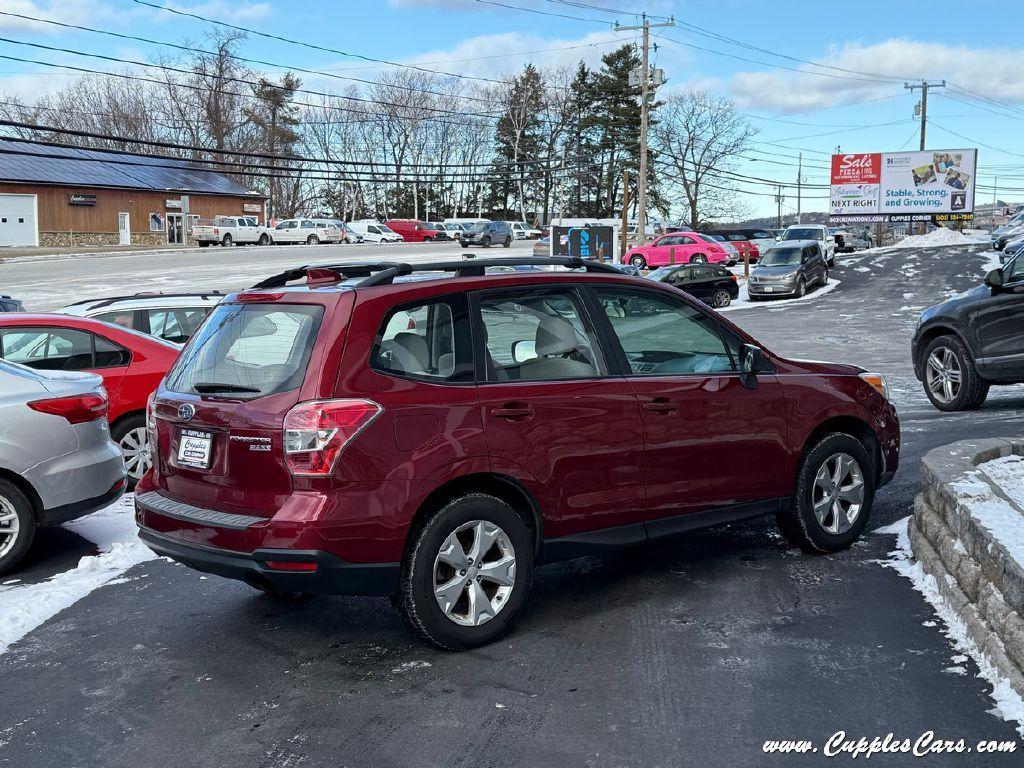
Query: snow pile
113	531
1009	704
941	236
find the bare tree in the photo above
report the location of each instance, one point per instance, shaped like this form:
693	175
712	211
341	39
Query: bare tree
698	138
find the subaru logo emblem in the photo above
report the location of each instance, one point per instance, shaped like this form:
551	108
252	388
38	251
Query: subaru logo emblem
186	411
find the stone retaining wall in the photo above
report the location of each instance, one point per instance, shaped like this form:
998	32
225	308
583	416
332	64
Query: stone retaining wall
72	239
974	572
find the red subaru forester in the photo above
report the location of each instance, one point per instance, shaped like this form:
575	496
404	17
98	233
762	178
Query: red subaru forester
433	432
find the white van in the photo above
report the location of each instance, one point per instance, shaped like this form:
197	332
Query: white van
375	232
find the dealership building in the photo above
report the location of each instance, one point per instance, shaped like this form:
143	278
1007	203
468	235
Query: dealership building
64	196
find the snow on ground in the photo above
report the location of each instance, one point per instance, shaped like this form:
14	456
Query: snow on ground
113	531
1008	473
941	236
1008	703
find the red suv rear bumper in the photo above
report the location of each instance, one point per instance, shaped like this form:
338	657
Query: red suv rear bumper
313	571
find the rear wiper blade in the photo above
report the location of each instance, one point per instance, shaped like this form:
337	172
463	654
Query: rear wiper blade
212	386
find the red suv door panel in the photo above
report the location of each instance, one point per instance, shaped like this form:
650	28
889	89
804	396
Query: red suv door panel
575	445
709	441
553	417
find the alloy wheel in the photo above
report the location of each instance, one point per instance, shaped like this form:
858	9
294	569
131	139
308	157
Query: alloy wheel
474	573
9	526
134	445
721	299
943	374
837	495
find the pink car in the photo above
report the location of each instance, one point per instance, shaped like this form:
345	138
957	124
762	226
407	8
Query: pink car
676	248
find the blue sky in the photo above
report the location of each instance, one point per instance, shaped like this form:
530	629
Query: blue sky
861	52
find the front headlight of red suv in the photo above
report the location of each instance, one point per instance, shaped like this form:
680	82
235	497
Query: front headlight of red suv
878	383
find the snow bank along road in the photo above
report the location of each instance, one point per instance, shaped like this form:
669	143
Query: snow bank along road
697	651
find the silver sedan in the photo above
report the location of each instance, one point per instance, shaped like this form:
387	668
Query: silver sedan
57	461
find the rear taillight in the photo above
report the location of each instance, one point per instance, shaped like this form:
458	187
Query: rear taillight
151	426
316	432
77	409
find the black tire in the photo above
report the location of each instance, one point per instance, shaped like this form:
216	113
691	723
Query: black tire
638	261
226	242
416	600
801	288
264	239
486	242
721	298
973	389
312	240
12	497
118	433
798	523
204	243
698	258
507	243
465	245
824	277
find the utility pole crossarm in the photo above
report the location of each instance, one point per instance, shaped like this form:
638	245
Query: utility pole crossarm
645	89
924	85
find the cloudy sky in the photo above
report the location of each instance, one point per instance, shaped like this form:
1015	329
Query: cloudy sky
810	75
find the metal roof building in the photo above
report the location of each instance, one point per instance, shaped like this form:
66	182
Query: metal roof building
56	195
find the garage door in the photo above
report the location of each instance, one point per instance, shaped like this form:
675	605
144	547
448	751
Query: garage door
18	220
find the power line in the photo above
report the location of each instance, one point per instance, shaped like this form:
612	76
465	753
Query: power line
187	86
313	46
227	79
194	50
240	153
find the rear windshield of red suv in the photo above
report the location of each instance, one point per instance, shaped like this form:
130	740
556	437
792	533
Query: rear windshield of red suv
248	350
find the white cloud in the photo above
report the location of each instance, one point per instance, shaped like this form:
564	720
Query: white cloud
66	11
995	72
224	10
488	55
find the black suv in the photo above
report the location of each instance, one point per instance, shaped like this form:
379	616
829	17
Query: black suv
491	233
974	340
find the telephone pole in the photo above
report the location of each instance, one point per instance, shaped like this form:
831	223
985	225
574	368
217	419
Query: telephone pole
799	186
779	197
648	85
924	85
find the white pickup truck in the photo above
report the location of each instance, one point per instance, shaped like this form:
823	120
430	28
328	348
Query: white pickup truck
230	230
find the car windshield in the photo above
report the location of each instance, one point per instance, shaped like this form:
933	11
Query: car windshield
476	227
385	228
781	257
715	236
802	234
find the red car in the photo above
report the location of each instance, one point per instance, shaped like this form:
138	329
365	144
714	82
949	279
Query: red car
743	246
131	364
676	248
416	231
434	439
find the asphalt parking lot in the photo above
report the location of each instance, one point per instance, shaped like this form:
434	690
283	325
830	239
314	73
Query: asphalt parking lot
630	660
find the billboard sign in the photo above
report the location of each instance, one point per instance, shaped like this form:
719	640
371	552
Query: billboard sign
898	185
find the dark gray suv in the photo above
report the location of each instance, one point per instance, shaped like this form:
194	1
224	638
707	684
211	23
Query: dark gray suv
788	269
491	233
973	340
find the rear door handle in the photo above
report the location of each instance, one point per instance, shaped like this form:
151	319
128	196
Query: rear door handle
660	405
512	411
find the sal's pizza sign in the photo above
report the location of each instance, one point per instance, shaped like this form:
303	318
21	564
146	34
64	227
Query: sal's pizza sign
857	169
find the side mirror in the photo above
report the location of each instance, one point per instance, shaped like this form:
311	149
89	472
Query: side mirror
778	238
523	350
994	279
751	364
